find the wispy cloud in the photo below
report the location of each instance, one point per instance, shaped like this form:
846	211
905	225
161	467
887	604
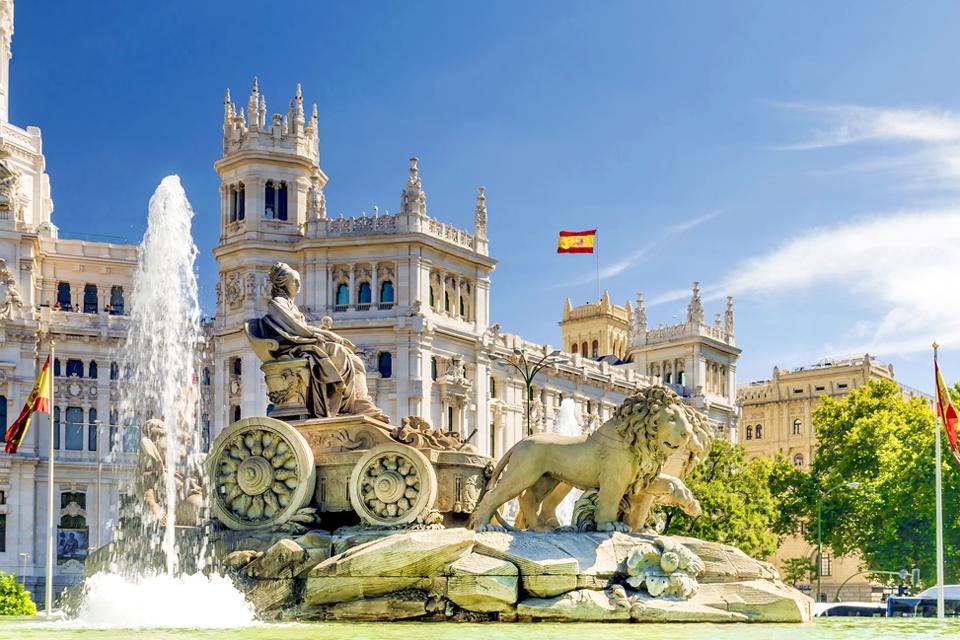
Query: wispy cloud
633	258
850	124
906	264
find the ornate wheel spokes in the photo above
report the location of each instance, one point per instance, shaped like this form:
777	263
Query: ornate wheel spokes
393	484
260	470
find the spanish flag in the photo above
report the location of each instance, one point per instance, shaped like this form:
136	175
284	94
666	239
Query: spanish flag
947	413
577	241
39	400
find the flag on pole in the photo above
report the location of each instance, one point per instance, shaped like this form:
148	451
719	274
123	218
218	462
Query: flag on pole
39	400
947	413
577	241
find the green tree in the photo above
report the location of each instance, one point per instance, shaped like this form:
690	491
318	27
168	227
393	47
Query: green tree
798	570
885	442
14	599
738	501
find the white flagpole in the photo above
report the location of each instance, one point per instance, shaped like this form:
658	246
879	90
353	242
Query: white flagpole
596	253
940	606
51	531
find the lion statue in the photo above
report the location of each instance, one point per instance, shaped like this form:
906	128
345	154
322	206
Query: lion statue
623	458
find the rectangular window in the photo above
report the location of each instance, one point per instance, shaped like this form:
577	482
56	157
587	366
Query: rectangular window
842	385
75	368
56	427
826	565
269	203
92	428
3	497
90	299
282	201
798	390
63	297
819	388
74	430
116	300
3	532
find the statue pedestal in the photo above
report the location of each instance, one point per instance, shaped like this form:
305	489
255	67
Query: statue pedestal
288	387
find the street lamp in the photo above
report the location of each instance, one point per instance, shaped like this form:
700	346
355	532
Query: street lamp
848	485
529	370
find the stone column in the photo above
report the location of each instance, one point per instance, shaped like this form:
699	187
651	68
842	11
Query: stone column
353	287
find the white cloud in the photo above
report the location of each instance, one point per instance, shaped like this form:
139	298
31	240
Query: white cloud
850	124
907	264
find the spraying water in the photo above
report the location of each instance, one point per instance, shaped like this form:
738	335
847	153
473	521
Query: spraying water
158	555
568	425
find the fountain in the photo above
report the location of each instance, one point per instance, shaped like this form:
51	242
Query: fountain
323	510
569	425
160	549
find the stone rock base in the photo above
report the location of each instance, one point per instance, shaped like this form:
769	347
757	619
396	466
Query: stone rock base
458	574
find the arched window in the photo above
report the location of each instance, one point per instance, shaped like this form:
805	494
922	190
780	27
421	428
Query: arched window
56	427
446	301
583	350
493	387
92	430
364	295
56	367
667	378
589	407
463	308
432	301
798	460
74	431
343	294
63	296
237	202
386	292
797	426
235	410
275	200
92	369
75	368
433	368
116	300
682	378
758	432
576	348
385	364
749	432
237	366
595	349
114	371
90	298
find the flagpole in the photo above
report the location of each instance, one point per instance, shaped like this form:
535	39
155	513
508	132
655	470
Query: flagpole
940	605
596	253
51	532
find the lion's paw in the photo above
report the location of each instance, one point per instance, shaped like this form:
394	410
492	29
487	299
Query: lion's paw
616	525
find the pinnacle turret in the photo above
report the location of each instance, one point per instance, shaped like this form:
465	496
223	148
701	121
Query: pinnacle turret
695	311
480	214
413	199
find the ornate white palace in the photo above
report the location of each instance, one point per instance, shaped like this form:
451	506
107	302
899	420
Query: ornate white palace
413	294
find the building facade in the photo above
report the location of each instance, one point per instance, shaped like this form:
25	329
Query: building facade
777	420
54	288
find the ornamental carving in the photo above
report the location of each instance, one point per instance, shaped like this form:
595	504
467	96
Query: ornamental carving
234	290
12	300
385	272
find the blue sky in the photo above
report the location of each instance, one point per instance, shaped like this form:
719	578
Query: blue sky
803	157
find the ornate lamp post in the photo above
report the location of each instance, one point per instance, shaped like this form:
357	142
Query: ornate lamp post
528	369
820	498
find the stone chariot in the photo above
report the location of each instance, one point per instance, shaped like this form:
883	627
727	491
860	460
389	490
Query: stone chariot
325	446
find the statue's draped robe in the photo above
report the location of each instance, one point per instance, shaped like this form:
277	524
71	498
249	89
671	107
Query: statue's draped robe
338	382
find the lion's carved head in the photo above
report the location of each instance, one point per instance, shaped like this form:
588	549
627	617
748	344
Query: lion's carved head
655	423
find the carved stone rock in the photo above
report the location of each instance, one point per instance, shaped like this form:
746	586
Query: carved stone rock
583	605
481	583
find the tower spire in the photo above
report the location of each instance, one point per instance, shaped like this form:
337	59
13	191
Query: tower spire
728	317
6	52
298	118
695	308
413	199
253	105
228	112
480	215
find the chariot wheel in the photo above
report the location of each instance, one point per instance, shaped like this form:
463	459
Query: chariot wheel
262	471
393	484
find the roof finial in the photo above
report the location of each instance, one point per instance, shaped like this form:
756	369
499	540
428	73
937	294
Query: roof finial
728	317
480	214
413	199
695	308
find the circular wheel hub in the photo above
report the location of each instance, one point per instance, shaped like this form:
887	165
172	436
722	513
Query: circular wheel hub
255	475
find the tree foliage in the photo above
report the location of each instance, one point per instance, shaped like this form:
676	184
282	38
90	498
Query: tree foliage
885	442
14	599
745	503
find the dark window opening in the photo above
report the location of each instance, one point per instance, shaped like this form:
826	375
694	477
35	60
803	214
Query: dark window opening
433	368
386	292
364	294
116	301
343	294
63	297
92	428
74	430
75	368
92	370
90	304
114	371
385	364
